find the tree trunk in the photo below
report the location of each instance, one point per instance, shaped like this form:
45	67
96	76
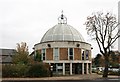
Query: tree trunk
105	73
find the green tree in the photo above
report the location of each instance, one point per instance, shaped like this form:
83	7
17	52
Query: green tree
22	54
103	28
38	56
97	60
114	59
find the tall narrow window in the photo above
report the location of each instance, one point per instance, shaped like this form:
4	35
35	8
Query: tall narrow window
70	53
43	54
56	54
82	55
87	54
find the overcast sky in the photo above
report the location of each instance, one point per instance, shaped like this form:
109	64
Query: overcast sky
28	20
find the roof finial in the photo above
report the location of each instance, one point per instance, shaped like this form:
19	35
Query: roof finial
62	19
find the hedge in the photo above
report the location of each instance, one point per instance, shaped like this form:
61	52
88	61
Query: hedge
21	70
38	70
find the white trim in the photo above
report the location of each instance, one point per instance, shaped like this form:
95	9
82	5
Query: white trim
84	54
69	54
62	44
83	68
67	61
54	54
42	54
45	54
70	68
63	68
87	72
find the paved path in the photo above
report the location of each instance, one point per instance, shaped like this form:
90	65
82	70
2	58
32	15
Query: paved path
73	77
97	80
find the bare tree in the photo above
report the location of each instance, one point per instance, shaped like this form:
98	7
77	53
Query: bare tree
103	28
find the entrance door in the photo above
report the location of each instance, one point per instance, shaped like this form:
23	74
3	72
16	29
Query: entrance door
78	68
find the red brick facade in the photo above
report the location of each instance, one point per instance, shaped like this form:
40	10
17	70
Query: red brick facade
63	53
49	54
77	54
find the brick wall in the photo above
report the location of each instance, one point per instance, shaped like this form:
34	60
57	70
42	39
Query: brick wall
49	54
77	54
63	53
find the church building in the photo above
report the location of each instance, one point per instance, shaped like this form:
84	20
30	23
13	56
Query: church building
65	49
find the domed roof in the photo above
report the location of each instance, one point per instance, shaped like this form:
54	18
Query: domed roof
62	32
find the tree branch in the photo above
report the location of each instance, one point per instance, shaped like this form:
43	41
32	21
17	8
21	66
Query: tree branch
106	26
114	40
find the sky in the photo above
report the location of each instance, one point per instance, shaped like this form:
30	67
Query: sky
28	20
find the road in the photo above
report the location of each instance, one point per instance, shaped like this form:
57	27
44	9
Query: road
97	80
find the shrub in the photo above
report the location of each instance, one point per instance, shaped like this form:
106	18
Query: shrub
119	72
18	70
114	73
8	71
21	70
38	70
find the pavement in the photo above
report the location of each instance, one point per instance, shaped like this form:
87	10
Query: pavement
72	77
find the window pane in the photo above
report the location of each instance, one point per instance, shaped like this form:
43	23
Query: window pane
43	51
60	70
58	37
87	53
83	55
43	54
71	51
71	57
56	54
43	58
68	37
